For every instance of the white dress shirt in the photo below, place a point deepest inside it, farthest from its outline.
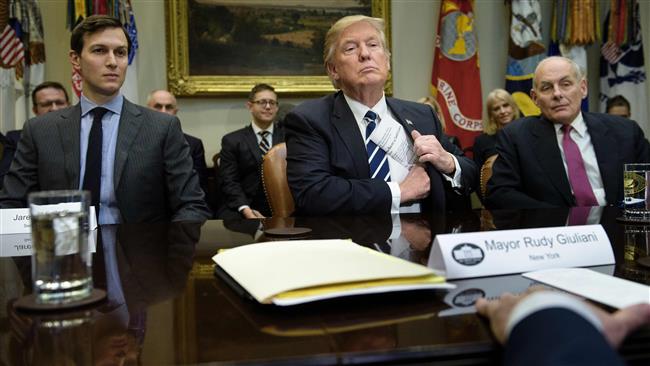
(581, 137)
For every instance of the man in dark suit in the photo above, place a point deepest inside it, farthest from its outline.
(47, 97)
(564, 157)
(241, 157)
(134, 161)
(164, 101)
(358, 152)
(551, 328)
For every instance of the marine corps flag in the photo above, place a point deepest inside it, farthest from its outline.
(456, 79)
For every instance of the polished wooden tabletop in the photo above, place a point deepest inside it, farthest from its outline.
(166, 307)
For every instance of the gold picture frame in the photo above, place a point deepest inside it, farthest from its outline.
(182, 82)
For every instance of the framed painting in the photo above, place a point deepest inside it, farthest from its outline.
(224, 47)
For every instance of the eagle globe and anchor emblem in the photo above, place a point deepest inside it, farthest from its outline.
(458, 41)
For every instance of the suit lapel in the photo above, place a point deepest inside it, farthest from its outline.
(346, 126)
(606, 156)
(251, 141)
(437, 186)
(549, 157)
(130, 123)
(69, 127)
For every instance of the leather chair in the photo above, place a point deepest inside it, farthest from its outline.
(486, 173)
(274, 181)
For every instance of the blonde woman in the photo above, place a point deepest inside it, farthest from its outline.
(501, 109)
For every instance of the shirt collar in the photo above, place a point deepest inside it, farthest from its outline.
(257, 130)
(359, 110)
(578, 125)
(114, 105)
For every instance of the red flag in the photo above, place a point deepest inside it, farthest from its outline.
(456, 79)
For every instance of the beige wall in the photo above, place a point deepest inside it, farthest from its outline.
(414, 24)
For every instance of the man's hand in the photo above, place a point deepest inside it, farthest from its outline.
(616, 326)
(416, 185)
(428, 149)
(251, 214)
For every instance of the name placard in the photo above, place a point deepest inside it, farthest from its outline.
(502, 252)
(19, 245)
(18, 220)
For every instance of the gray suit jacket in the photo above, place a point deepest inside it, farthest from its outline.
(153, 175)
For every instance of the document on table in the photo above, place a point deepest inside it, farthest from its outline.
(299, 271)
(613, 291)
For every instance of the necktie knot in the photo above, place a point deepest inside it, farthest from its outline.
(264, 142)
(371, 122)
(98, 113)
(377, 159)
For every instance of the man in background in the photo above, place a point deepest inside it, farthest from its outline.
(164, 101)
(241, 157)
(48, 96)
(619, 106)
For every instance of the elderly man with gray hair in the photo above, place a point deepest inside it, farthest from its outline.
(564, 157)
(359, 152)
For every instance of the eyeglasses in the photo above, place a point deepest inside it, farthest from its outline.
(56, 103)
(264, 102)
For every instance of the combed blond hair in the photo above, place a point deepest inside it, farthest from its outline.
(490, 125)
(334, 33)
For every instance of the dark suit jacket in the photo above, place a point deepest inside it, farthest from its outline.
(153, 175)
(197, 152)
(529, 172)
(6, 156)
(240, 171)
(14, 136)
(327, 162)
(484, 146)
(557, 336)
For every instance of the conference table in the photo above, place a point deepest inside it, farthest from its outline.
(165, 306)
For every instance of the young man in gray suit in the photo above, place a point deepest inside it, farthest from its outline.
(134, 161)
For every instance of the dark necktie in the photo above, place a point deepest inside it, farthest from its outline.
(377, 159)
(577, 173)
(93, 173)
(264, 143)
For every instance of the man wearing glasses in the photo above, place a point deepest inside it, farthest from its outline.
(241, 157)
(46, 97)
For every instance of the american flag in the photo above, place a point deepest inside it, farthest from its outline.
(11, 48)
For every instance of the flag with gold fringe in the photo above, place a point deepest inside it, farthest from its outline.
(575, 24)
(622, 66)
(525, 51)
(455, 78)
(22, 59)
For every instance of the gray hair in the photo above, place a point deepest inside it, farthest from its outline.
(577, 70)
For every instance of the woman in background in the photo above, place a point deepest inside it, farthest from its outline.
(501, 109)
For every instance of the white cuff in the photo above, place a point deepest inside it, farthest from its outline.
(396, 195)
(455, 180)
(546, 300)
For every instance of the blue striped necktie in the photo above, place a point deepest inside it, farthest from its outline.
(377, 159)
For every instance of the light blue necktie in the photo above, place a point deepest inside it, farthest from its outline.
(377, 159)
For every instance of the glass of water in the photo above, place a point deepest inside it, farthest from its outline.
(61, 262)
(635, 186)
